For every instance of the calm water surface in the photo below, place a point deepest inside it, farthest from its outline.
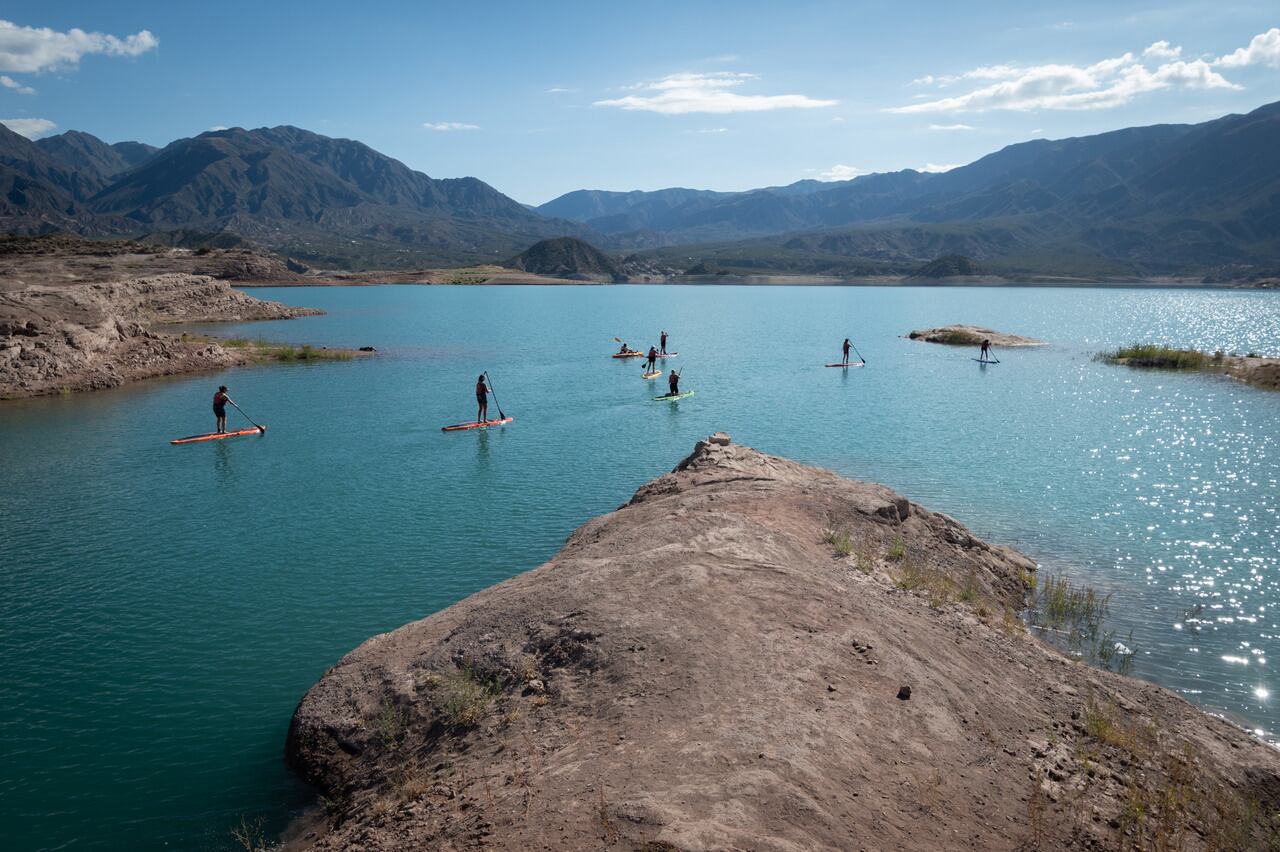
(162, 609)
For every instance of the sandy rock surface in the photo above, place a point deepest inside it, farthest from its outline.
(88, 336)
(971, 335)
(711, 667)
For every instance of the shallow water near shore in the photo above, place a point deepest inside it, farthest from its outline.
(162, 609)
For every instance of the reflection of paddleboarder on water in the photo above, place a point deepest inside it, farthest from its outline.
(482, 400)
(652, 363)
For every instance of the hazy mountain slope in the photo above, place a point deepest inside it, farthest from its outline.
(87, 155)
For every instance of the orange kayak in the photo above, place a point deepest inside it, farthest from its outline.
(218, 436)
(628, 355)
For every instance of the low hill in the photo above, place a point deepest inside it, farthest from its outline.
(566, 257)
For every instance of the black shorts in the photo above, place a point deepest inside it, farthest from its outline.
(482, 400)
(219, 413)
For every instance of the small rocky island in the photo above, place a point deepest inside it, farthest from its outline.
(971, 335)
(755, 654)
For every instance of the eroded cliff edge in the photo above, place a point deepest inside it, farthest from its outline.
(75, 335)
(703, 669)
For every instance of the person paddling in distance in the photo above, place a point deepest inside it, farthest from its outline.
(673, 383)
(845, 349)
(482, 400)
(220, 400)
(662, 341)
(625, 349)
(985, 355)
(652, 363)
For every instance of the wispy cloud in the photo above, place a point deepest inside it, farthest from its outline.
(216, 128)
(1109, 83)
(1263, 49)
(1039, 131)
(558, 90)
(713, 130)
(32, 128)
(28, 49)
(950, 127)
(935, 168)
(842, 172)
(10, 83)
(449, 125)
(679, 94)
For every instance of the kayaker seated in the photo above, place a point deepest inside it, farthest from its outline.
(624, 350)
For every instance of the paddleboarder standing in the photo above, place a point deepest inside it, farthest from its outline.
(482, 399)
(845, 347)
(662, 341)
(220, 400)
(652, 363)
(986, 351)
(673, 382)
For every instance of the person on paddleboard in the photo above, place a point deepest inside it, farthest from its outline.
(986, 351)
(845, 347)
(652, 363)
(220, 400)
(482, 399)
(673, 383)
(662, 341)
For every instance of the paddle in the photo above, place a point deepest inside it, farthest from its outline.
(859, 354)
(246, 417)
(501, 416)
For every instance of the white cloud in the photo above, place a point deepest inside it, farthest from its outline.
(985, 72)
(32, 128)
(713, 130)
(950, 127)
(10, 83)
(842, 172)
(1263, 49)
(934, 168)
(838, 118)
(27, 49)
(216, 128)
(1108, 83)
(1161, 51)
(449, 125)
(1039, 131)
(557, 90)
(679, 94)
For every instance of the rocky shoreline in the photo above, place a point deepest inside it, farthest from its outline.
(756, 654)
(73, 336)
(971, 335)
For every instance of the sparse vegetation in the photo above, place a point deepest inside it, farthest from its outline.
(250, 836)
(1163, 357)
(261, 350)
(898, 549)
(463, 698)
(840, 542)
(1072, 616)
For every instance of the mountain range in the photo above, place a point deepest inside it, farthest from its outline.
(1164, 199)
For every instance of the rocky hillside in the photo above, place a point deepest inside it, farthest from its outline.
(566, 257)
(89, 336)
(754, 654)
(951, 266)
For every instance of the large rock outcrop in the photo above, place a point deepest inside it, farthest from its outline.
(755, 654)
(90, 336)
(971, 335)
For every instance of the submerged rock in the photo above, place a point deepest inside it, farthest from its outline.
(712, 661)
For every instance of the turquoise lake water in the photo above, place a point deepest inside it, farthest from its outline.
(163, 609)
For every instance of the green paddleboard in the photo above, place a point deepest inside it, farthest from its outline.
(668, 396)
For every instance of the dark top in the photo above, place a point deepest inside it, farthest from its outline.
(220, 401)
(481, 390)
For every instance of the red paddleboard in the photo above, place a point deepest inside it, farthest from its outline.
(853, 364)
(218, 436)
(475, 424)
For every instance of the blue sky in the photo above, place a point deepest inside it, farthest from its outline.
(539, 98)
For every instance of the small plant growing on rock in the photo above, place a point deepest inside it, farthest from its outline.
(839, 541)
(463, 699)
(898, 549)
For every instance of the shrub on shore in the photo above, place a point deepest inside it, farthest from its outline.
(1164, 357)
